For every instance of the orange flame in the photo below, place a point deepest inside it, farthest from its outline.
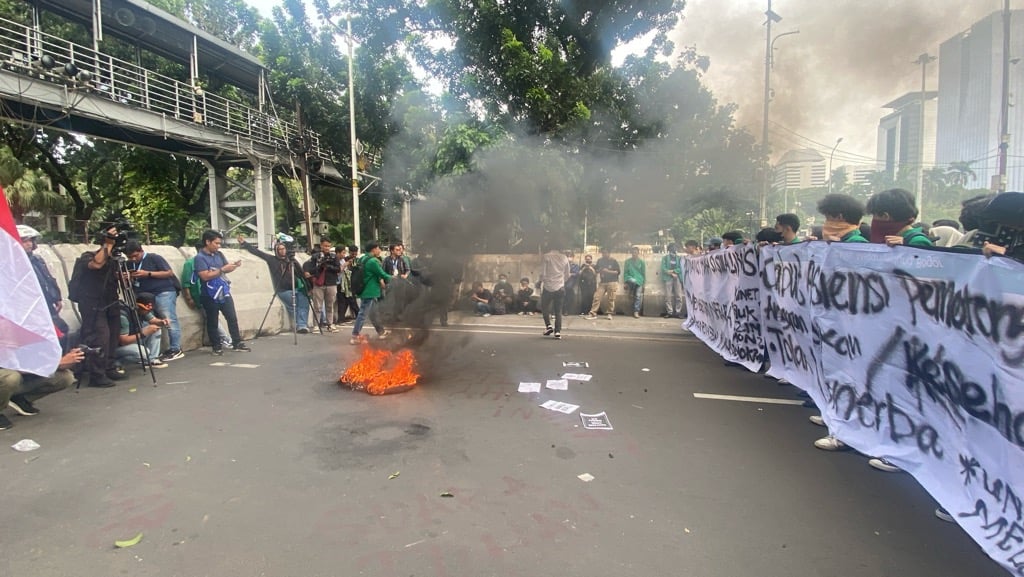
(380, 372)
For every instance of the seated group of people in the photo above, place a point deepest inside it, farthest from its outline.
(503, 298)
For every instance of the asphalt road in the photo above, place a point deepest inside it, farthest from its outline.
(266, 466)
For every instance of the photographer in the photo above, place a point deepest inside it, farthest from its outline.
(215, 293)
(16, 387)
(93, 286)
(285, 272)
(151, 274)
(146, 332)
(321, 271)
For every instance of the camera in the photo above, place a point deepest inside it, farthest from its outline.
(86, 349)
(121, 238)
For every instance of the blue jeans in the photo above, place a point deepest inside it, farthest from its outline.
(367, 309)
(131, 352)
(482, 308)
(166, 308)
(301, 304)
(636, 294)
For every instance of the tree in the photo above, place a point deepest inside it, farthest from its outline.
(26, 190)
(960, 173)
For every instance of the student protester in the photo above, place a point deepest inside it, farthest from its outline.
(672, 279)
(788, 224)
(893, 213)
(147, 332)
(732, 238)
(635, 275)
(843, 214)
(375, 280)
(151, 274)
(554, 272)
(503, 296)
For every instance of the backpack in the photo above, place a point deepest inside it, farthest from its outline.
(357, 282)
(77, 274)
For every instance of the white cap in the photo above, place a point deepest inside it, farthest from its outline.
(25, 231)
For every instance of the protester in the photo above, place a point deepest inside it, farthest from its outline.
(672, 280)
(893, 213)
(788, 225)
(215, 295)
(285, 276)
(47, 282)
(587, 284)
(714, 243)
(635, 276)
(843, 214)
(480, 298)
(731, 238)
(524, 297)
(151, 274)
(554, 272)
(375, 280)
(19, 390)
(503, 296)
(608, 271)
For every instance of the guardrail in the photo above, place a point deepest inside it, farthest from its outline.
(39, 55)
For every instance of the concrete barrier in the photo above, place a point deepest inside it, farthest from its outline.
(252, 287)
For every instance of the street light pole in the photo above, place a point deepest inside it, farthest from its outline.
(769, 42)
(924, 59)
(830, 156)
(354, 154)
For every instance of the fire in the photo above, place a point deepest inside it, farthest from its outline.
(381, 372)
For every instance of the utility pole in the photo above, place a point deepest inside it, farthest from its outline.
(924, 59)
(352, 130)
(1004, 105)
(307, 198)
(765, 162)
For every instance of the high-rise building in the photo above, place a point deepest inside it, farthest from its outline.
(970, 95)
(899, 134)
(797, 169)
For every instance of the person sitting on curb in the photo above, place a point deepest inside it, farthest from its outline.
(524, 297)
(481, 299)
(148, 333)
(16, 387)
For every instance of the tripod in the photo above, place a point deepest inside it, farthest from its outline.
(289, 269)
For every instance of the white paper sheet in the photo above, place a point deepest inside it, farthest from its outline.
(577, 377)
(596, 421)
(558, 384)
(561, 407)
(529, 387)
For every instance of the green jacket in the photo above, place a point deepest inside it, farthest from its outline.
(636, 271)
(373, 273)
(853, 236)
(916, 237)
(672, 263)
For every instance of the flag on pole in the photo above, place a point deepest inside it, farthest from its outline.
(28, 339)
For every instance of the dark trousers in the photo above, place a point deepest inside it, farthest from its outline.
(101, 325)
(345, 304)
(551, 302)
(586, 298)
(227, 308)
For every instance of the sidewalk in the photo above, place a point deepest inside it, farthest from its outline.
(575, 323)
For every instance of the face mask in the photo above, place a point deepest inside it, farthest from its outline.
(883, 228)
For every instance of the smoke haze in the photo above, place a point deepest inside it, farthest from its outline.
(830, 80)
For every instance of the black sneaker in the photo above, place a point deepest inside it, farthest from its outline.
(218, 352)
(172, 355)
(114, 375)
(22, 405)
(548, 331)
(5, 423)
(241, 348)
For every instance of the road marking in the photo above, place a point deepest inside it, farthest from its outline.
(682, 337)
(764, 400)
(235, 365)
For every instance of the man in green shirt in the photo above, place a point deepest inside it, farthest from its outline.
(635, 275)
(787, 225)
(842, 218)
(374, 279)
(672, 278)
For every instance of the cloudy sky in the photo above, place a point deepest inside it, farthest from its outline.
(830, 80)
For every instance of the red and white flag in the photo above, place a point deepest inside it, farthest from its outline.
(28, 339)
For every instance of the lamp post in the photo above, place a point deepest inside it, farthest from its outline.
(830, 156)
(769, 44)
(924, 59)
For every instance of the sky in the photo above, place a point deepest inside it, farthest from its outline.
(830, 80)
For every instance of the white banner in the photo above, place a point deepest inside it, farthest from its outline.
(916, 356)
(722, 298)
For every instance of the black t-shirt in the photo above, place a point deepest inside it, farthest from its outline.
(99, 284)
(609, 263)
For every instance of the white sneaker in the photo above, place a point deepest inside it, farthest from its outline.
(383, 335)
(829, 443)
(591, 317)
(883, 465)
(609, 316)
(636, 315)
(817, 420)
(783, 382)
(355, 340)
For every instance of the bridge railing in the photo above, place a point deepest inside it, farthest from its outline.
(44, 57)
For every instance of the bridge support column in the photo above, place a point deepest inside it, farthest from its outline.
(263, 189)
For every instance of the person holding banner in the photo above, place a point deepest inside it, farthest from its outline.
(893, 213)
(787, 225)
(842, 218)
(672, 277)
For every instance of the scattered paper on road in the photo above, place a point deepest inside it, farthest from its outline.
(577, 377)
(576, 364)
(596, 421)
(646, 370)
(558, 384)
(585, 477)
(529, 387)
(25, 445)
(561, 407)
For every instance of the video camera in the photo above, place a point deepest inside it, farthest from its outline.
(1003, 220)
(121, 238)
